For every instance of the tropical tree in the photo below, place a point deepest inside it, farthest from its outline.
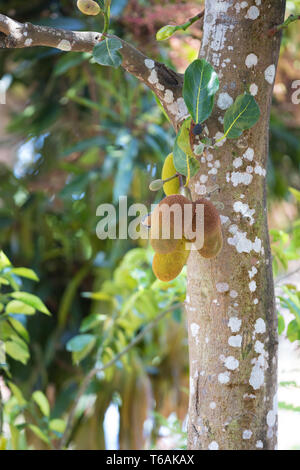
(230, 299)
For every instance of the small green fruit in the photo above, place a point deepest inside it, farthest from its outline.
(88, 7)
(156, 185)
(165, 32)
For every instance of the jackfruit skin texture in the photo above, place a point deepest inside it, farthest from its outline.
(88, 7)
(167, 245)
(213, 239)
(173, 186)
(167, 267)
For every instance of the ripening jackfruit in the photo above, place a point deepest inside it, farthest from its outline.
(168, 266)
(88, 7)
(213, 239)
(168, 222)
(173, 186)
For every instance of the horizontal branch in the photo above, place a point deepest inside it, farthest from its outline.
(164, 82)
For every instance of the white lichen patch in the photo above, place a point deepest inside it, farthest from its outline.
(235, 324)
(260, 171)
(224, 219)
(237, 162)
(257, 376)
(252, 13)
(224, 377)
(249, 154)
(240, 178)
(240, 6)
(252, 272)
(251, 60)
(253, 89)
(247, 434)
(252, 286)
(149, 63)
(213, 446)
(169, 96)
(233, 294)
(153, 78)
(235, 341)
(212, 405)
(28, 42)
(259, 444)
(64, 45)
(231, 363)
(222, 287)
(245, 210)
(243, 244)
(270, 74)
(224, 101)
(259, 347)
(178, 108)
(203, 179)
(260, 326)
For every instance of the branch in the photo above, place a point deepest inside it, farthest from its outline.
(287, 22)
(97, 370)
(286, 276)
(164, 82)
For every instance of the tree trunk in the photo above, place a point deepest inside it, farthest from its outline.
(232, 320)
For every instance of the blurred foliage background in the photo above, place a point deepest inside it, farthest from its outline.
(74, 135)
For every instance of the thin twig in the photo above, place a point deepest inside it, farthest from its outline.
(286, 23)
(97, 370)
(286, 276)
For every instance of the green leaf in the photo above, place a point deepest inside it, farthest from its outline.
(183, 138)
(18, 350)
(31, 300)
(25, 272)
(295, 193)
(57, 425)
(201, 83)
(17, 394)
(184, 163)
(107, 52)
(79, 342)
(293, 331)
(78, 356)
(4, 261)
(242, 115)
(42, 402)
(281, 324)
(19, 308)
(91, 322)
(19, 328)
(39, 433)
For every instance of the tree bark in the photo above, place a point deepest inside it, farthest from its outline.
(230, 306)
(232, 321)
